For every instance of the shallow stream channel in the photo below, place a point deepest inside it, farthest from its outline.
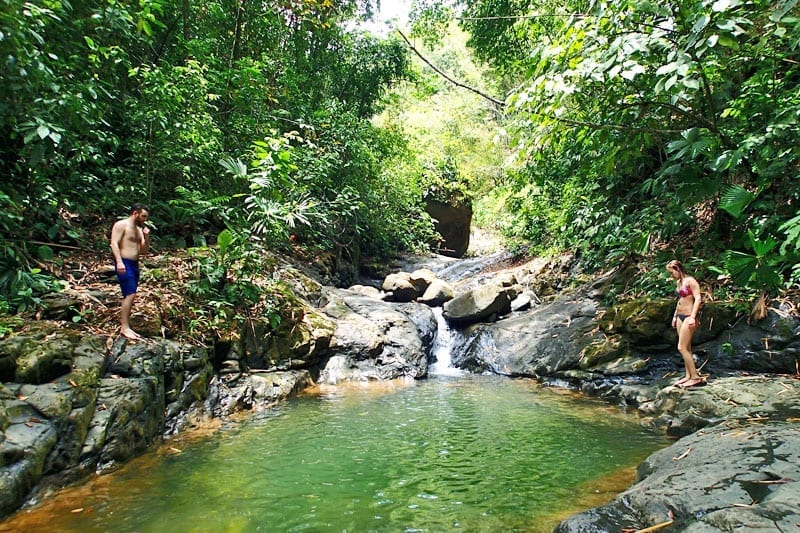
(455, 452)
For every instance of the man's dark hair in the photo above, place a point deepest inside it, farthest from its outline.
(135, 208)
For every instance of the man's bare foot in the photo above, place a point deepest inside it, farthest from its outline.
(694, 382)
(684, 379)
(128, 333)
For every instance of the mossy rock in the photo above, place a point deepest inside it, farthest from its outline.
(4, 419)
(44, 361)
(603, 351)
(642, 321)
(301, 333)
(295, 282)
(10, 350)
(627, 364)
(648, 322)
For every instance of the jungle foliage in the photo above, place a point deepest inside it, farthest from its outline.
(250, 116)
(638, 129)
(646, 129)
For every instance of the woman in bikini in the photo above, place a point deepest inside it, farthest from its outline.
(685, 320)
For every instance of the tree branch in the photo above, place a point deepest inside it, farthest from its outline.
(448, 78)
(599, 126)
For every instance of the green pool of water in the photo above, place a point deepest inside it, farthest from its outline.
(471, 453)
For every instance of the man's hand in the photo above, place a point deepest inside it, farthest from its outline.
(120, 267)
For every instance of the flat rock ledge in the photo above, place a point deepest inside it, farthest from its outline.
(735, 476)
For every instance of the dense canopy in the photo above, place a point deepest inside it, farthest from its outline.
(626, 130)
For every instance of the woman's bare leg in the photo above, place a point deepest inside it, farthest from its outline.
(685, 334)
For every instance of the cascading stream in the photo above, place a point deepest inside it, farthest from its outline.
(443, 349)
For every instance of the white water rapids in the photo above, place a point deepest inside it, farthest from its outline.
(442, 349)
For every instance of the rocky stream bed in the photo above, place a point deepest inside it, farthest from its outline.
(73, 402)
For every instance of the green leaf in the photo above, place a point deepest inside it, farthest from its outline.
(45, 253)
(691, 83)
(701, 23)
(779, 13)
(762, 247)
(728, 41)
(224, 240)
(792, 229)
(235, 167)
(735, 200)
(741, 266)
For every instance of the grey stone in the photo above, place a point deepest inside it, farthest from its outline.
(377, 340)
(725, 478)
(437, 293)
(365, 290)
(27, 441)
(401, 287)
(476, 305)
(421, 278)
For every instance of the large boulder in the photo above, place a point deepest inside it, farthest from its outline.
(648, 323)
(27, 439)
(485, 302)
(400, 287)
(768, 345)
(300, 338)
(256, 391)
(377, 340)
(543, 342)
(452, 221)
(421, 278)
(437, 293)
(129, 420)
(727, 478)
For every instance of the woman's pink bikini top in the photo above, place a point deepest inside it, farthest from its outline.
(684, 290)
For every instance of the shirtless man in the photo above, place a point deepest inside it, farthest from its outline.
(129, 239)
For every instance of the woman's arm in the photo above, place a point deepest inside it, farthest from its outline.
(698, 298)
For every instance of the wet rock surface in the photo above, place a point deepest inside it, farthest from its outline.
(729, 477)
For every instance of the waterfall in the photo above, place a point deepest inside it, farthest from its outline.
(442, 349)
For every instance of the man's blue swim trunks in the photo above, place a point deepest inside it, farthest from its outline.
(129, 281)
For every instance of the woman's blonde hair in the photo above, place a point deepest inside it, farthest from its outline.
(677, 265)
